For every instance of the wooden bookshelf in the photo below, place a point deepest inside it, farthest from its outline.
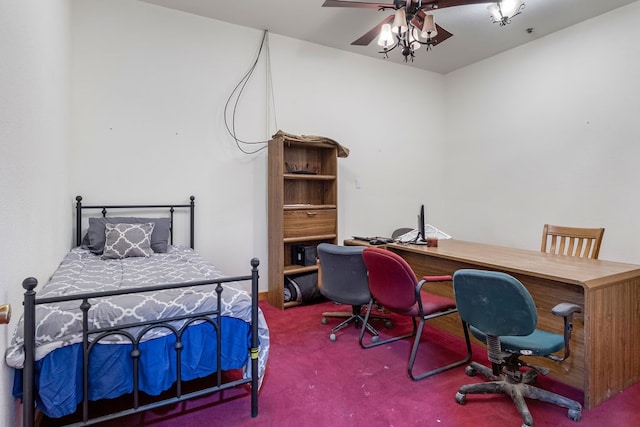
(302, 206)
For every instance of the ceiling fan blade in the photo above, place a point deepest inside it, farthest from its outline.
(418, 19)
(338, 3)
(372, 33)
(442, 35)
(451, 3)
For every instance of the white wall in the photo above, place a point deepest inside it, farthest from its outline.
(149, 90)
(34, 155)
(549, 133)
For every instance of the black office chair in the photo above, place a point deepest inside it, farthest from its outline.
(344, 281)
(394, 285)
(501, 313)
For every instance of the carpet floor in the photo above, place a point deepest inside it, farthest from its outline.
(311, 381)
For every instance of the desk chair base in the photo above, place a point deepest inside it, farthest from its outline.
(356, 318)
(517, 385)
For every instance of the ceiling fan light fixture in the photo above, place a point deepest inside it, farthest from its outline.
(511, 7)
(496, 13)
(410, 26)
(386, 36)
(400, 22)
(429, 30)
(408, 32)
(502, 11)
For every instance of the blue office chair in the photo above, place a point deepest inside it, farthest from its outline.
(500, 312)
(345, 281)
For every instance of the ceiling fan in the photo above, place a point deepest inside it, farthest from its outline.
(415, 12)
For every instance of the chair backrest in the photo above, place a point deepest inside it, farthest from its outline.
(399, 232)
(344, 275)
(494, 302)
(392, 281)
(572, 241)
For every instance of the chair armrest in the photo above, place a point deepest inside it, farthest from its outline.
(566, 310)
(430, 279)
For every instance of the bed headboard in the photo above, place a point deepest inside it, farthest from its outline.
(104, 209)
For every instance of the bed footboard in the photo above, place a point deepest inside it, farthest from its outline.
(212, 316)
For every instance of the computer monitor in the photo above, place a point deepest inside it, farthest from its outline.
(422, 237)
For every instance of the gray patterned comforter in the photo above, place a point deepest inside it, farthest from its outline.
(81, 271)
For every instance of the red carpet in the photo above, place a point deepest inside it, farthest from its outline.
(312, 382)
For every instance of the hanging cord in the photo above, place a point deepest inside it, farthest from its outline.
(237, 93)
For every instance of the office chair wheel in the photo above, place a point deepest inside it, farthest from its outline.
(575, 414)
(375, 338)
(470, 371)
(332, 337)
(324, 321)
(461, 398)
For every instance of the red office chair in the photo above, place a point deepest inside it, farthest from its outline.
(393, 285)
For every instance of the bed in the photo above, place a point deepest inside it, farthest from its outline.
(128, 313)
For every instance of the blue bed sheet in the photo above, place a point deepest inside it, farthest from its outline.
(58, 375)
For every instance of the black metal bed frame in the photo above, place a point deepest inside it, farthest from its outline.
(213, 317)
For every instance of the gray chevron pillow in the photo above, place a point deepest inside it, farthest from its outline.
(127, 240)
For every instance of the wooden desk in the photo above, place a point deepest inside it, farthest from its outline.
(605, 344)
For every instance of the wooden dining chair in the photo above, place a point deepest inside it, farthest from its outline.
(572, 241)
